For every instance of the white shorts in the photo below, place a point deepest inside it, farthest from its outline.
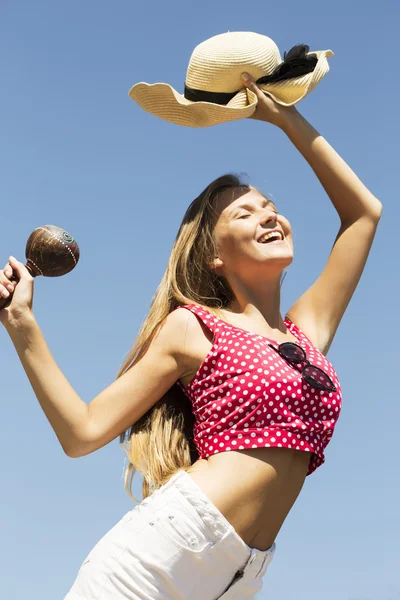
(175, 545)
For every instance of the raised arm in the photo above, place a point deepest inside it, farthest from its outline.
(320, 309)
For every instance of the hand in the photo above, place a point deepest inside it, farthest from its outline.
(267, 109)
(20, 290)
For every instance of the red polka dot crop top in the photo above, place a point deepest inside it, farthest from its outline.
(245, 395)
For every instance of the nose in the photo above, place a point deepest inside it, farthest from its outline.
(270, 217)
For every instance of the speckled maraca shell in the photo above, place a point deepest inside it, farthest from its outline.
(51, 251)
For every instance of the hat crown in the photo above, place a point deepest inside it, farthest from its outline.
(217, 63)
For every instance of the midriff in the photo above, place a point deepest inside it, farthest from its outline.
(254, 489)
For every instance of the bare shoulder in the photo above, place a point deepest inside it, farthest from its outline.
(190, 340)
(175, 327)
(175, 330)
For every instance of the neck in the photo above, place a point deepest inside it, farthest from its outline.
(258, 301)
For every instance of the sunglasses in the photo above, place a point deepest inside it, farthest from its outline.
(315, 376)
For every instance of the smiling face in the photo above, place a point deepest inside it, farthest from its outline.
(241, 223)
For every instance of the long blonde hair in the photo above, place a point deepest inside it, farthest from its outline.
(161, 442)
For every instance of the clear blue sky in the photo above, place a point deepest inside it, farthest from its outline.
(77, 152)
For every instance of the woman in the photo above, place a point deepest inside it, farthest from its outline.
(225, 416)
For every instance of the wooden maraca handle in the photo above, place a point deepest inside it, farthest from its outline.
(50, 251)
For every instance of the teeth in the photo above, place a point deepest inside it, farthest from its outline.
(267, 236)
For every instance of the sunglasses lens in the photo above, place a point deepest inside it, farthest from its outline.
(292, 352)
(315, 376)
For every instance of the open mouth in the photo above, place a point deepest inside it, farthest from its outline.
(270, 238)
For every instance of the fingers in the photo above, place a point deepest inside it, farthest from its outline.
(10, 276)
(250, 83)
(20, 269)
(8, 272)
(6, 286)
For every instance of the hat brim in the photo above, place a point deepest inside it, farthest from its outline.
(164, 101)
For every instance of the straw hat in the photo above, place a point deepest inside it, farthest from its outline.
(214, 92)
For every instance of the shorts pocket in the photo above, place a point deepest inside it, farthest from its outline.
(182, 526)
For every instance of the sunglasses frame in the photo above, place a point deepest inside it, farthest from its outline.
(292, 362)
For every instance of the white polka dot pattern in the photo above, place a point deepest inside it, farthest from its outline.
(245, 395)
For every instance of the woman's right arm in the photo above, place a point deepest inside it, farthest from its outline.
(82, 428)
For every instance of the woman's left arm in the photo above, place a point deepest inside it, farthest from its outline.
(320, 309)
(351, 199)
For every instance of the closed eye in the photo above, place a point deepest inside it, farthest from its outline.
(245, 215)
(248, 215)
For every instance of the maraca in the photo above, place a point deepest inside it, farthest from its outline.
(50, 251)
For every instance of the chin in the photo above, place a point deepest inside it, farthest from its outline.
(283, 260)
(281, 264)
